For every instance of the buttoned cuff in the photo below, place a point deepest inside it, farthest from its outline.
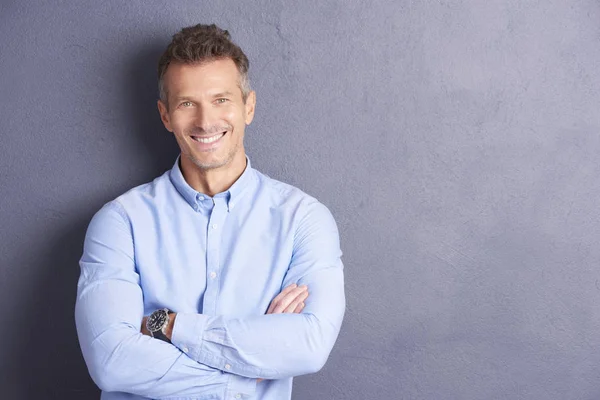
(188, 335)
(188, 331)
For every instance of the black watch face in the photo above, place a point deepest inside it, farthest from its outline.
(156, 320)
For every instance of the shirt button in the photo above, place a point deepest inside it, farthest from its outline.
(238, 396)
(227, 367)
(214, 226)
(213, 275)
(185, 349)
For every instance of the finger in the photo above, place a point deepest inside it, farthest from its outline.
(288, 299)
(299, 299)
(299, 308)
(283, 293)
(279, 304)
(277, 300)
(284, 302)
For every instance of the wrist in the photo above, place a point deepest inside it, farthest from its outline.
(170, 326)
(158, 322)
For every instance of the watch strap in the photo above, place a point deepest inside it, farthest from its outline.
(160, 335)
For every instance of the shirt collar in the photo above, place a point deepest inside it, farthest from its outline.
(191, 196)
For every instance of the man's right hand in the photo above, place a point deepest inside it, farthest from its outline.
(290, 300)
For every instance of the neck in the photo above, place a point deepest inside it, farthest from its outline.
(214, 180)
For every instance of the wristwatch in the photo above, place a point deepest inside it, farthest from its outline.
(157, 322)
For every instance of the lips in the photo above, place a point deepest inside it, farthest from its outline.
(209, 139)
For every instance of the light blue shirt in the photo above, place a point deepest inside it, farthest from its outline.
(218, 262)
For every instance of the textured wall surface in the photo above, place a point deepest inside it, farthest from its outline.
(455, 142)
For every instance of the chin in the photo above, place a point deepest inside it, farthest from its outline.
(207, 164)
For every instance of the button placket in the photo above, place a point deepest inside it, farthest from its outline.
(213, 262)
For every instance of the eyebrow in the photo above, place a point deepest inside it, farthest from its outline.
(182, 98)
(226, 93)
(222, 94)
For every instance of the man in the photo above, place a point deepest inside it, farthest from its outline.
(213, 281)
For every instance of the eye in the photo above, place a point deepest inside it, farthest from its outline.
(186, 104)
(221, 100)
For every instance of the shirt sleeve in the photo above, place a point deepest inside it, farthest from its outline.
(279, 345)
(108, 314)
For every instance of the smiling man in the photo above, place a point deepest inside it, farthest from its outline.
(213, 281)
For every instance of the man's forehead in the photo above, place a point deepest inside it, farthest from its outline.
(225, 65)
(180, 88)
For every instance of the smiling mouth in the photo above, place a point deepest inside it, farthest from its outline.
(209, 140)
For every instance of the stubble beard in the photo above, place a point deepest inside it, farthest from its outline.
(205, 166)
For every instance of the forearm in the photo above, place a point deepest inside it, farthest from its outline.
(269, 346)
(120, 358)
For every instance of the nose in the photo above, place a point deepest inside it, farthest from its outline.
(205, 117)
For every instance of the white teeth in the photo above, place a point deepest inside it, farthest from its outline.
(208, 140)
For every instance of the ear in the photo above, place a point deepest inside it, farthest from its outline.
(249, 107)
(163, 110)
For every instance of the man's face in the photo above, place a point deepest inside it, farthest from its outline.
(206, 112)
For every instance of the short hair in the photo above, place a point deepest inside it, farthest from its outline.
(199, 44)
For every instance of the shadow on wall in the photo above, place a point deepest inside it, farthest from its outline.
(157, 147)
(46, 357)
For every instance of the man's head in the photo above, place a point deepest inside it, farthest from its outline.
(200, 44)
(205, 97)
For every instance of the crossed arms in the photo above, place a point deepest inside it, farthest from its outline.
(209, 354)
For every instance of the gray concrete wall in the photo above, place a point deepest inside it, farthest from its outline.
(456, 143)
